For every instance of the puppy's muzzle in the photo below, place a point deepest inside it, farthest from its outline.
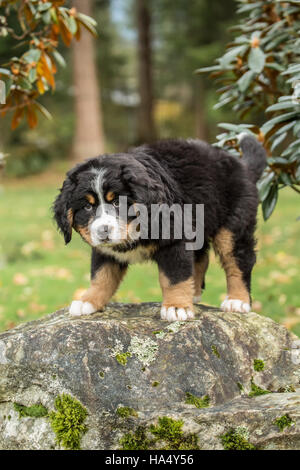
(104, 232)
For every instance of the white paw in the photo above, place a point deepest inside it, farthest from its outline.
(196, 299)
(78, 307)
(235, 305)
(176, 314)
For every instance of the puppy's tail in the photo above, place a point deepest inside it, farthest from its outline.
(254, 156)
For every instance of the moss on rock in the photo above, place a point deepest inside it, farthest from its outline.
(237, 439)
(215, 351)
(167, 435)
(258, 365)
(126, 412)
(197, 401)
(33, 411)
(122, 358)
(283, 422)
(67, 421)
(256, 390)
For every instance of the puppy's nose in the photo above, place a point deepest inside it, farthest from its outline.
(104, 231)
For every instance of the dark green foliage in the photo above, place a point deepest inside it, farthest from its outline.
(260, 72)
(126, 412)
(283, 422)
(215, 351)
(135, 440)
(256, 390)
(167, 434)
(236, 439)
(196, 401)
(258, 365)
(33, 411)
(67, 421)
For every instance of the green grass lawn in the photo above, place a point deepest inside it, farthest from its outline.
(39, 274)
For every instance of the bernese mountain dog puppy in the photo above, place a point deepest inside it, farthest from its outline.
(180, 172)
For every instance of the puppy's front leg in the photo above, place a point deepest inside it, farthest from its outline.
(177, 282)
(106, 275)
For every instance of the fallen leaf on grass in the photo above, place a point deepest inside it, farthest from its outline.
(36, 308)
(20, 313)
(20, 280)
(290, 322)
(256, 306)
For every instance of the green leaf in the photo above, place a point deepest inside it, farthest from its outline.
(43, 110)
(275, 66)
(59, 58)
(278, 140)
(232, 54)
(32, 76)
(269, 203)
(25, 84)
(87, 19)
(71, 24)
(263, 185)
(281, 105)
(47, 17)
(256, 60)
(44, 6)
(8, 84)
(245, 80)
(5, 72)
(271, 123)
(33, 55)
(285, 179)
(213, 68)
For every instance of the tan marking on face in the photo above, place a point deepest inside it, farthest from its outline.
(91, 199)
(104, 285)
(85, 233)
(200, 269)
(224, 245)
(177, 295)
(110, 196)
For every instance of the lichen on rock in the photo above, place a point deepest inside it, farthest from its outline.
(145, 349)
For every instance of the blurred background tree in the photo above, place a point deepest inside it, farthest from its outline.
(89, 134)
(260, 77)
(145, 56)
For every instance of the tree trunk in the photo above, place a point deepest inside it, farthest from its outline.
(89, 136)
(146, 128)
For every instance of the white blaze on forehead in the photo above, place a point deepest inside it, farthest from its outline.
(103, 216)
(97, 183)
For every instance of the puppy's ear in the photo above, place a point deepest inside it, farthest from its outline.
(145, 185)
(63, 213)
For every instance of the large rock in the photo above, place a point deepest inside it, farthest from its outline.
(127, 358)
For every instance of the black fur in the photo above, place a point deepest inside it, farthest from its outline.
(175, 171)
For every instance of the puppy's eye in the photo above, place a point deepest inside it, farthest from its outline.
(88, 207)
(116, 203)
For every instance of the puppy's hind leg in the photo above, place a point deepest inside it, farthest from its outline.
(237, 258)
